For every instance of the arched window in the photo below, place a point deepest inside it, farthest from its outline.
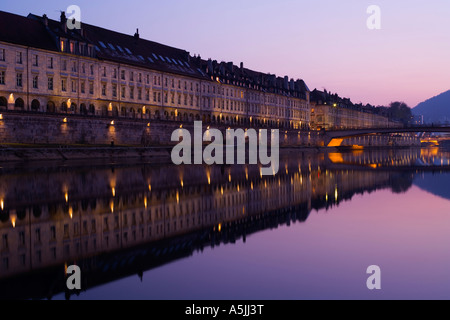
(83, 109)
(51, 107)
(123, 112)
(35, 105)
(73, 108)
(92, 109)
(19, 105)
(104, 111)
(115, 111)
(3, 103)
(64, 107)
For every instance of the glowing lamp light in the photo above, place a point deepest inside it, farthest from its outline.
(13, 220)
(66, 196)
(2, 204)
(1, 116)
(65, 120)
(148, 124)
(112, 122)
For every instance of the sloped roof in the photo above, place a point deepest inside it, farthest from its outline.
(23, 31)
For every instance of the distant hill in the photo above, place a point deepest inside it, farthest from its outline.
(437, 184)
(435, 110)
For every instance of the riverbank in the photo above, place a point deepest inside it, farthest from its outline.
(28, 153)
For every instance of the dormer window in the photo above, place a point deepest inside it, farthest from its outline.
(63, 45)
(72, 47)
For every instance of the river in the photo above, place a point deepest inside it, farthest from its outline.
(163, 232)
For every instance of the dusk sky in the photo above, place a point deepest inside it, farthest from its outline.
(324, 42)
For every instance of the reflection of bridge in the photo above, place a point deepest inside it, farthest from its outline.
(334, 138)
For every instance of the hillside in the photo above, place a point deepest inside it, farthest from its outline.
(436, 109)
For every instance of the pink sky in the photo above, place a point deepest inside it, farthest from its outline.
(325, 42)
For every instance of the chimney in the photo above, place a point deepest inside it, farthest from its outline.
(63, 17)
(136, 35)
(286, 82)
(45, 20)
(242, 66)
(63, 21)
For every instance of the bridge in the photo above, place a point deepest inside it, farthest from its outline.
(334, 138)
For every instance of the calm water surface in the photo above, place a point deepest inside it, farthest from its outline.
(146, 231)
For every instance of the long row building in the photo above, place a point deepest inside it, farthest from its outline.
(46, 67)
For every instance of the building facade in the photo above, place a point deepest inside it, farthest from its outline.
(331, 112)
(47, 68)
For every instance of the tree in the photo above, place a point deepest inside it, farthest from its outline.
(400, 111)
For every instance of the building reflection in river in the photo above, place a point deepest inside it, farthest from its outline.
(60, 215)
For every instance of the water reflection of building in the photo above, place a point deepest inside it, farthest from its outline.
(65, 215)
